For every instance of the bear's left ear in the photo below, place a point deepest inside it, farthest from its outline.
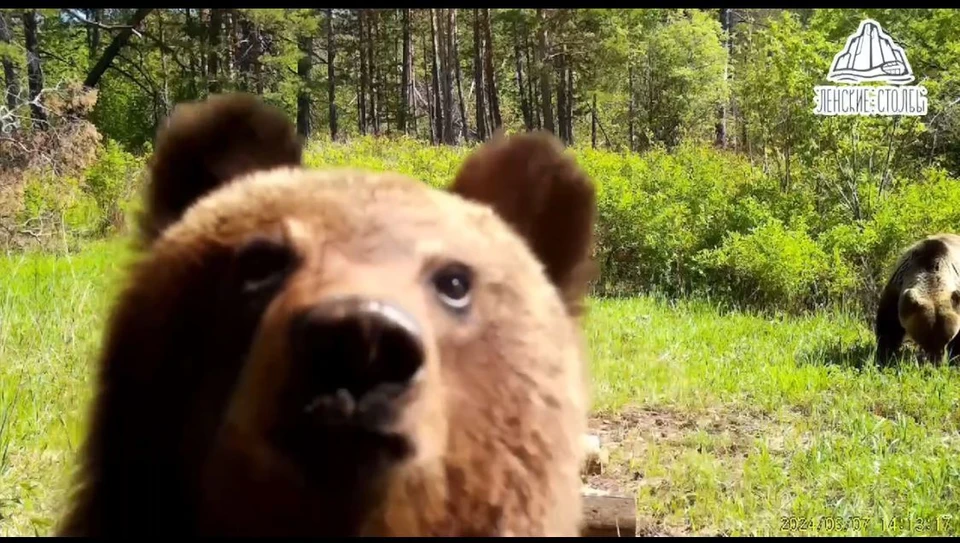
(206, 144)
(547, 199)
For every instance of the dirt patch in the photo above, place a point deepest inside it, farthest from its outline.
(628, 434)
(628, 437)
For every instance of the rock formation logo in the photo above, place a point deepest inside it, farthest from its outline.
(871, 56)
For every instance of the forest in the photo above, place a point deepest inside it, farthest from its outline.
(742, 238)
(706, 116)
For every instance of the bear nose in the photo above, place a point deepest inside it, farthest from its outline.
(355, 344)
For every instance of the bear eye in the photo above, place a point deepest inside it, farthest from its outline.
(452, 284)
(262, 262)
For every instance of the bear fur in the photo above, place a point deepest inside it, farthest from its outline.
(921, 300)
(196, 370)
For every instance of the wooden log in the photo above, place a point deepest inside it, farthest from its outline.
(609, 516)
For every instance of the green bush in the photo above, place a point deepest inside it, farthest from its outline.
(691, 221)
(91, 204)
(110, 181)
(776, 266)
(700, 221)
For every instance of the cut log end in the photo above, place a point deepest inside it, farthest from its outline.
(609, 516)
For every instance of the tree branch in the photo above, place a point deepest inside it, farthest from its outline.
(149, 80)
(312, 53)
(118, 42)
(133, 79)
(95, 24)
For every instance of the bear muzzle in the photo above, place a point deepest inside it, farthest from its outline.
(354, 357)
(354, 362)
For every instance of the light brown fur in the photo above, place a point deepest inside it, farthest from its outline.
(921, 300)
(192, 375)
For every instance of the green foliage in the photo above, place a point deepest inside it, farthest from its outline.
(691, 221)
(123, 114)
(681, 78)
(799, 211)
(698, 221)
(93, 204)
(726, 423)
(776, 266)
(774, 80)
(57, 201)
(110, 180)
(434, 165)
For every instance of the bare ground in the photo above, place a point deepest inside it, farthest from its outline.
(629, 434)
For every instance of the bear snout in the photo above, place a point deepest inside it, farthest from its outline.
(354, 357)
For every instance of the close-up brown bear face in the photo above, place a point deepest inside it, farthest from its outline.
(931, 317)
(343, 352)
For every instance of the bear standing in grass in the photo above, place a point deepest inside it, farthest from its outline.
(922, 300)
(342, 353)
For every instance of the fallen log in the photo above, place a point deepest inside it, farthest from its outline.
(609, 516)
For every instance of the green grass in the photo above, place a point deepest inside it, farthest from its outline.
(720, 423)
(734, 424)
(51, 310)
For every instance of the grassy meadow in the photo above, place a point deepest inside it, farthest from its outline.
(721, 423)
(741, 239)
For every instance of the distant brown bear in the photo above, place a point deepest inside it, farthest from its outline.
(342, 353)
(921, 300)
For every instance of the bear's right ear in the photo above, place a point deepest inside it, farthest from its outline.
(545, 197)
(206, 144)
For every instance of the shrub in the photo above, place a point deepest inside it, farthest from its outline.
(110, 181)
(692, 221)
(776, 266)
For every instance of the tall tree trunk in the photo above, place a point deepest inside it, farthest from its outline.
(651, 104)
(383, 113)
(362, 94)
(521, 93)
(532, 88)
(478, 77)
(437, 100)
(372, 70)
(34, 69)
(561, 98)
(230, 30)
(593, 122)
(331, 76)
(632, 111)
(414, 108)
(722, 120)
(119, 41)
(213, 50)
(11, 84)
(191, 31)
(245, 53)
(542, 51)
(429, 90)
(455, 58)
(164, 72)
(494, 98)
(449, 136)
(570, 96)
(93, 32)
(304, 66)
(406, 87)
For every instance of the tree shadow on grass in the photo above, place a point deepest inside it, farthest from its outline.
(855, 355)
(862, 355)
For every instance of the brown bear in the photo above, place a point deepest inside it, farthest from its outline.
(921, 300)
(342, 352)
